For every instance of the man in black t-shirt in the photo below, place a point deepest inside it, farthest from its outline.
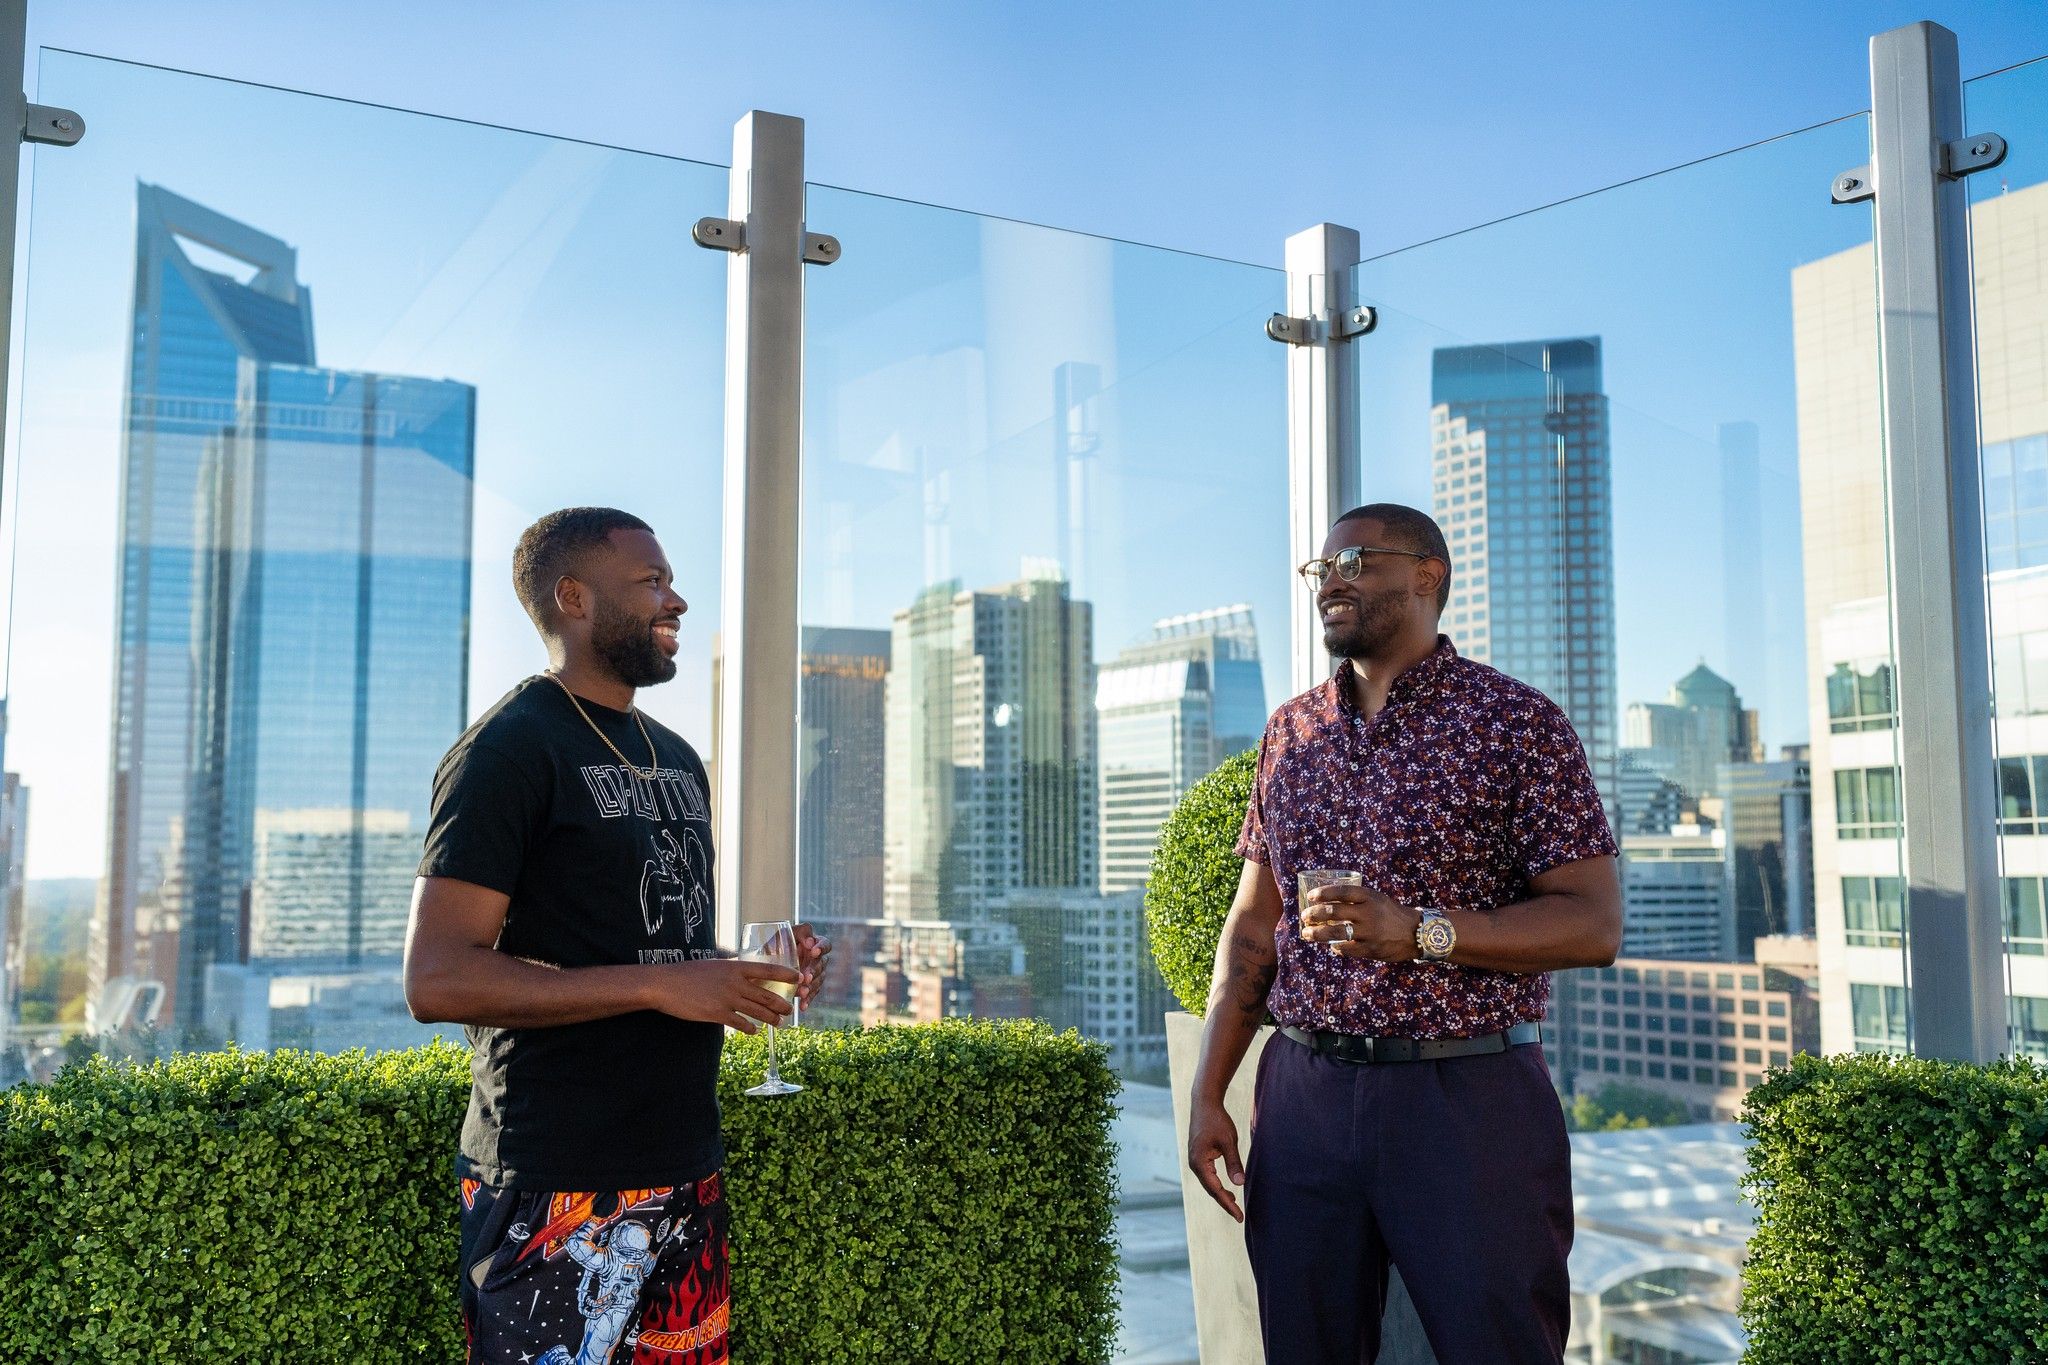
(564, 915)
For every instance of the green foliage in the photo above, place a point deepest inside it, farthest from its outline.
(1904, 1212)
(940, 1193)
(1194, 876)
(1615, 1107)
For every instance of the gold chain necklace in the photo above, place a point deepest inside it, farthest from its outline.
(653, 758)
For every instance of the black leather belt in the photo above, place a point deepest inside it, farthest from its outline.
(1353, 1047)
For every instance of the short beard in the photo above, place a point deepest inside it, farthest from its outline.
(627, 648)
(1375, 625)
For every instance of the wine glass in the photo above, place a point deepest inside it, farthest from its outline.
(773, 941)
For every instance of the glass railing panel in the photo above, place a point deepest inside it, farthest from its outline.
(1044, 592)
(1647, 421)
(2009, 255)
(296, 374)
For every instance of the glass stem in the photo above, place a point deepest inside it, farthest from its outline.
(774, 1070)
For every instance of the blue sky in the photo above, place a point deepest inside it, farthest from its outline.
(1208, 127)
(556, 278)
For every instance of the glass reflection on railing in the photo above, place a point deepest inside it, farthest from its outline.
(262, 548)
(1647, 421)
(2009, 257)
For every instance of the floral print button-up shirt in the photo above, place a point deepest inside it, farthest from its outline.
(1465, 786)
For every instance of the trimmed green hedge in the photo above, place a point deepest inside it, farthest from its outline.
(1194, 878)
(1904, 1212)
(940, 1193)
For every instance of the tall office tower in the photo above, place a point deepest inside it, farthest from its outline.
(293, 613)
(1744, 591)
(1856, 860)
(990, 748)
(1522, 489)
(1689, 736)
(1769, 810)
(1168, 710)
(841, 766)
(328, 884)
(1674, 891)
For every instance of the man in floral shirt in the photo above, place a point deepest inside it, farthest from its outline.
(1404, 1114)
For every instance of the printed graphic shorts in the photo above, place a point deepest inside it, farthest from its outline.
(634, 1276)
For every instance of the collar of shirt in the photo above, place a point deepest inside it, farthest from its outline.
(1419, 681)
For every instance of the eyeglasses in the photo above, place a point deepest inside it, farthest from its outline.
(1349, 562)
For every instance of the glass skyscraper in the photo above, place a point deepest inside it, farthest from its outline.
(1523, 489)
(294, 607)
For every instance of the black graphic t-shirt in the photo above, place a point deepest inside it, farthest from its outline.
(603, 867)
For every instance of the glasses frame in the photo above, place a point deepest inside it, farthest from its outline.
(1317, 571)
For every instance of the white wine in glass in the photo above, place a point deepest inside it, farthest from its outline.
(773, 941)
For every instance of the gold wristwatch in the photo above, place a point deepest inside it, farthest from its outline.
(1435, 938)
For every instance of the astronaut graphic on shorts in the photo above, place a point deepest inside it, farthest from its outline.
(616, 1262)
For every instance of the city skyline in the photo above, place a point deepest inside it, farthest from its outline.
(287, 527)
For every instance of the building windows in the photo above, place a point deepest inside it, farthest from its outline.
(1878, 1016)
(2030, 1026)
(1860, 697)
(2022, 788)
(2019, 668)
(1867, 802)
(2015, 496)
(1873, 912)
(2024, 929)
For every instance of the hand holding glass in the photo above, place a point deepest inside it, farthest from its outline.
(1309, 878)
(773, 941)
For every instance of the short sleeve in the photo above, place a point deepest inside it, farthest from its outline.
(486, 814)
(1558, 817)
(1251, 839)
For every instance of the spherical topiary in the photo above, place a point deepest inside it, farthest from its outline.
(1194, 876)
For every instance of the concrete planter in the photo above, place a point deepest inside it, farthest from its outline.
(1226, 1303)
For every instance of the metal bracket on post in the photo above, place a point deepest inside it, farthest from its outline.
(1355, 322)
(51, 126)
(1323, 472)
(723, 234)
(1965, 156)
(1935, 508)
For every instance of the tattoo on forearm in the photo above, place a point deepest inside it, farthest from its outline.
(1244, 975)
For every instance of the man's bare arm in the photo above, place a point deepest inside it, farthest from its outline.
(1245, 965)
(1571, 918)
(455, 974)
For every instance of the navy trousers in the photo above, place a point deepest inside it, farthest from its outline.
(1458, 1172)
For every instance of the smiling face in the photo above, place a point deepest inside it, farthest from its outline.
(634, 609)
(1392, 593)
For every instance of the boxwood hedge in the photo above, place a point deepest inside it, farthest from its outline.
(939, 1193)
(1194, 876)
(1903, 1212)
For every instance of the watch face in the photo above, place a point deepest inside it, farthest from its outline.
(1438, 938)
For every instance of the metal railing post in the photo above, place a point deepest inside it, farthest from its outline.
(1323, 473)
(757, 707)
(1935, 508)
(32, 123)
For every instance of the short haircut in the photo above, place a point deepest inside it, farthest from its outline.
(1408, 529)
(555, 547)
